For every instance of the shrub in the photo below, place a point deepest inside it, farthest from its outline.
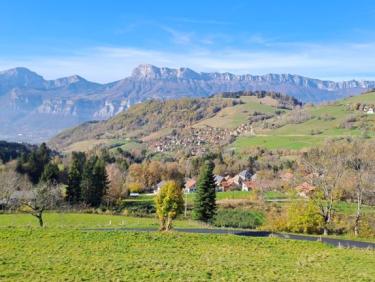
(237, 218)
(138, 208)
(299, 217)
(367, 227)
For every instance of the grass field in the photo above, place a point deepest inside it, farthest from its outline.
(232, 117)
(325, 123)
(231, 195)
(65, 254)
(82, 220)
(276, 142)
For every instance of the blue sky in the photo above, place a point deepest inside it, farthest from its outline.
(104, 40)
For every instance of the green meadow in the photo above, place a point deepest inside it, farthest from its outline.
(325, 123)
(62, 251)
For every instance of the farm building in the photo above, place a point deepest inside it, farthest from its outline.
(305, 189)
(190, 185)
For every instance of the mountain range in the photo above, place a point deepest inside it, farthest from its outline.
(33, 109)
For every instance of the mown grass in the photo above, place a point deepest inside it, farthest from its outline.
(28, 254)
(83, 220)
(231, 195)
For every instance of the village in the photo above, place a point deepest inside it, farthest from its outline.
(245, 181)
(363, 107)
(199, 140)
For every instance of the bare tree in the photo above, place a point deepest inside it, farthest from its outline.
(325, 167)
(361, 165)
(40, 198)
(11, 182)
(116, 188)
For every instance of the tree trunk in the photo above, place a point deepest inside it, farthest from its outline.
(186, 199)
(356, 222)
(358, 213)
(169, 224)
(39, 216)
(40, 220)
(327, 220)
(162, 224)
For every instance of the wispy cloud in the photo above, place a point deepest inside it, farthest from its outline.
(179, 37)
(326, 61)
(202, 22)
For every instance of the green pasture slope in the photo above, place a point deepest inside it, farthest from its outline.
(232, 117)
(325, 124)
(63, 252)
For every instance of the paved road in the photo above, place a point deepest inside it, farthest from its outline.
(251, 233)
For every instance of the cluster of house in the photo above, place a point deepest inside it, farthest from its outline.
(367, 108)
(246, 181)
(195, 139)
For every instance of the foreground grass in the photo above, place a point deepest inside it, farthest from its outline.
(229, 195)
(55, 254)
(82, 220)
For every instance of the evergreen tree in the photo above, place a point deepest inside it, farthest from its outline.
(50, 173)
(73, 190)
(94, 181)
(33, 164)
(205, 198)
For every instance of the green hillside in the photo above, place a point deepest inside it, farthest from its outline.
(155, 119)
(316, 124)
(139, 121)
(243, 120)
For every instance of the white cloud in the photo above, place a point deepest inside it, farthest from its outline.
(104, 64)
(179, 37)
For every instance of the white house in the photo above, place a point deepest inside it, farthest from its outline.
(245, 175)
(219, 181)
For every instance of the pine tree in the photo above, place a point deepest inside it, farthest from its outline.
(73, 190)
(33, 164)
(94, 181)
(50, 173)
(205, 198)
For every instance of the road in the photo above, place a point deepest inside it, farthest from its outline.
(254, 233)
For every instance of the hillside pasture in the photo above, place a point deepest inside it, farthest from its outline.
(326, 121)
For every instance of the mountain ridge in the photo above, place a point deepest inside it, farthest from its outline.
(34, 109)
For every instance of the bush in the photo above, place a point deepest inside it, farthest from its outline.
(367, 227)
(237, 218)
(138, 208)
(299, 217)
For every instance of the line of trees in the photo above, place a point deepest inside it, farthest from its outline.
(340, 168)
(87, 180)
(40, 181)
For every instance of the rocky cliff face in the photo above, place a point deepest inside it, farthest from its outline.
(34, 109)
